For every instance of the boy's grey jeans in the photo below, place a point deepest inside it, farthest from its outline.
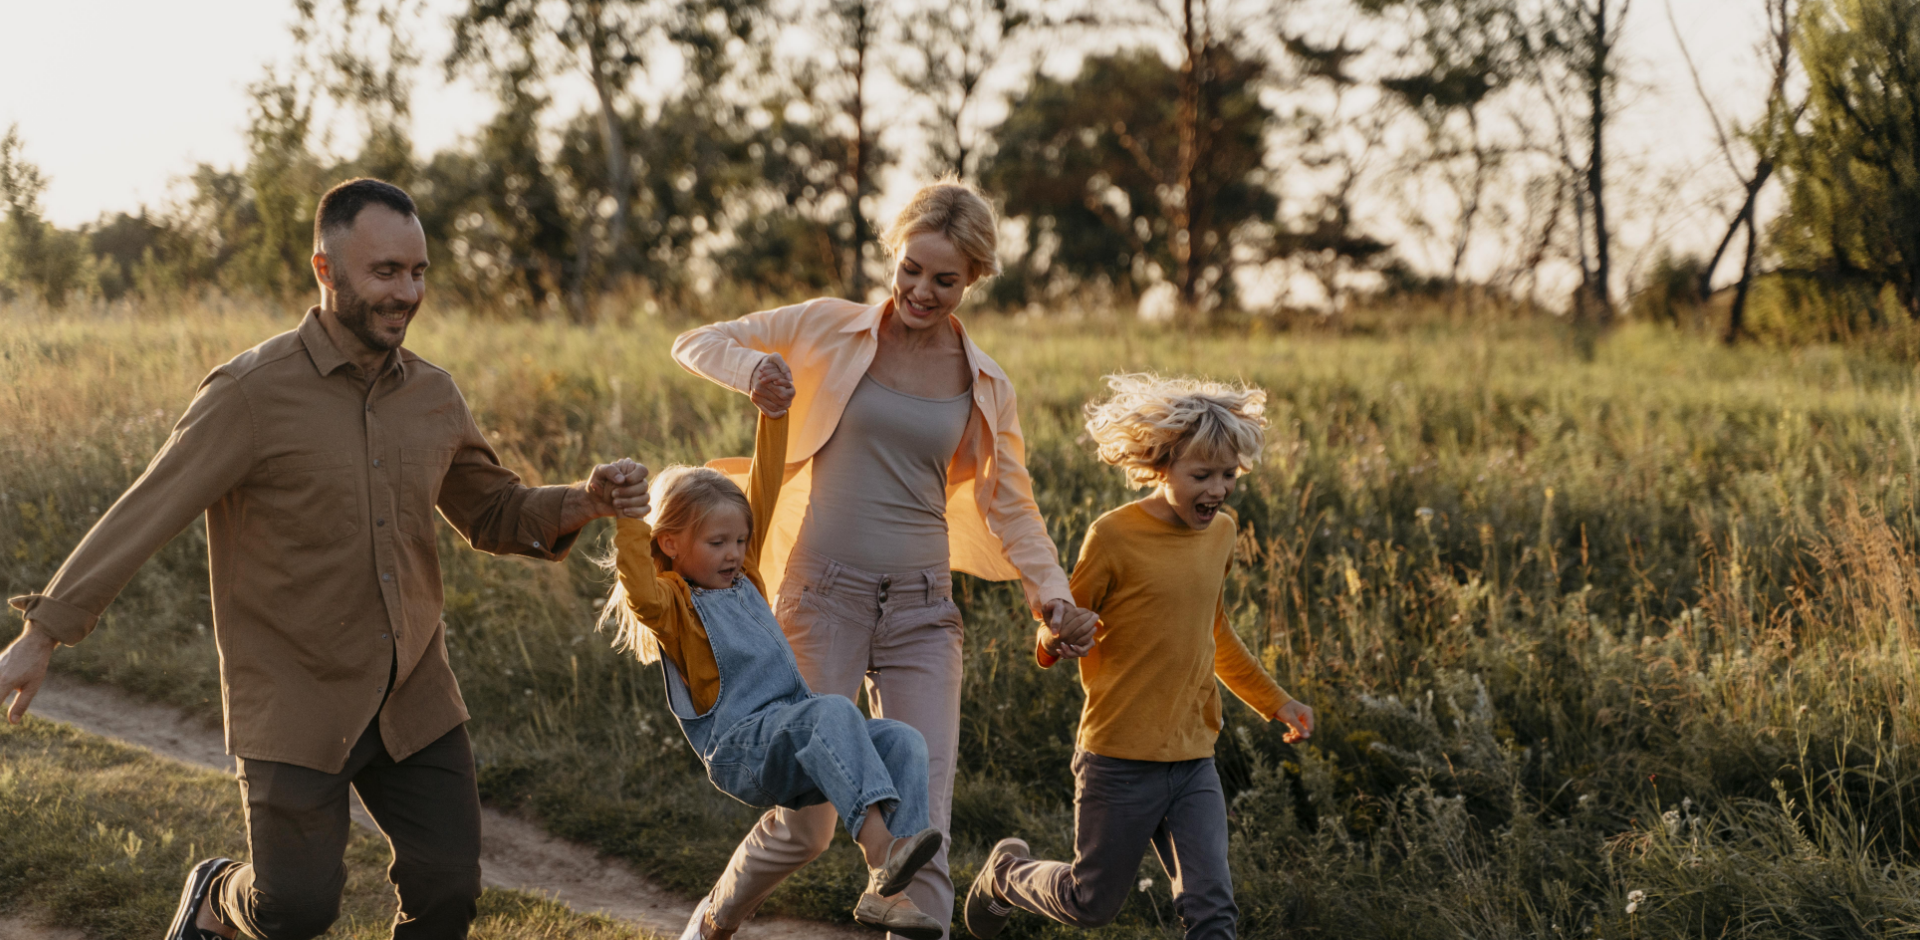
(1119, 808)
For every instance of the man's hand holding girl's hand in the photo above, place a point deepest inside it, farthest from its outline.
(614, 489)
(1299, 719)
(772, 386)
(624, 482)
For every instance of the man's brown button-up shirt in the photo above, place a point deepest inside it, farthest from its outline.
(319, 485)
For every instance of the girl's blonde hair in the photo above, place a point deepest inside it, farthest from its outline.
(956, 210)
(1151, 421)
(682, 497)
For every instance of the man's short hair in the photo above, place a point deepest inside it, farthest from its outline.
(342, 204)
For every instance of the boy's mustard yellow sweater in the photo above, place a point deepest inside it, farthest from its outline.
(662, 599)
(1159, 590)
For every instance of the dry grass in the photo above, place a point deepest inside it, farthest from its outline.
(1575, 628)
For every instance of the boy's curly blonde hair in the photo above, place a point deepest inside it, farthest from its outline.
(1152, 421)
(682, 498)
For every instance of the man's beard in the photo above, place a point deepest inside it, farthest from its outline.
(357, 315)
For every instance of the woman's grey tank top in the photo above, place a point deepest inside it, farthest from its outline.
(879, 500)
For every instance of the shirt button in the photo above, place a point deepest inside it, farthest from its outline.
(376, 461)
(383, 636)
(385, 576)
(379, 522)
(536, 543)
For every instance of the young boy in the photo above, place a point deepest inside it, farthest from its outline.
(1154, 570)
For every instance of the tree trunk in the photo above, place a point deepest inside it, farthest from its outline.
(1596, 179)
(1737, 314)
(1186, 272)
(615, 144)
(1704, 288)
(856, 265)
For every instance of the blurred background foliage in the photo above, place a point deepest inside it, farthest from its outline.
(729, 153)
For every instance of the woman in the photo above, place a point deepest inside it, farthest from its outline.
(905, 461)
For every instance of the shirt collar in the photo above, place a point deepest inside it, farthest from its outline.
(327, 357)
(868, 321)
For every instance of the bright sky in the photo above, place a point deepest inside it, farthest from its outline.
(117, 98)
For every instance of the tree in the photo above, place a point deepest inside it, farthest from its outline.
(1456, 58)
(1764, 140)
(959, 45)
(1573, 46)
(612, 40)
(35, 255)
(855, 31)
(1093, 165)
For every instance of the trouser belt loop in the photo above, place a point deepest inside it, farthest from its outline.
(933, 584)
(827, 580)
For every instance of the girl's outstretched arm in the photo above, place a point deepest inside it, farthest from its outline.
(646, 597)
(763, 482)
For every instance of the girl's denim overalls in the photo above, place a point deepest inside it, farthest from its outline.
(768, 740)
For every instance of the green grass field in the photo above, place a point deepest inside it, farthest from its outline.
(100, 836)
(1574, 628)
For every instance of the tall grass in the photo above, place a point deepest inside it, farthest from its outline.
(1574, 628)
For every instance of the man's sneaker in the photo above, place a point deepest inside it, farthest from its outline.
(904, 859)
(898, 916)
(986, 911)
(186, 917)
(701, 926)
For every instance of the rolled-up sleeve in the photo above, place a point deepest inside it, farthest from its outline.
(211, 450)
(1014, 517)
(493, 510)
(727, 352)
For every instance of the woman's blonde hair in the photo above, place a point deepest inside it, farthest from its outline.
(1151, 421)
(682, 497)
(958, 211)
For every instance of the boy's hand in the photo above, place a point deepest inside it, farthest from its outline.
(1299, 719)
(772, 386)
(1071, 628)
(1056, 648)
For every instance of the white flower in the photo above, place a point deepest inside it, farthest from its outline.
(1425, 513)
(1634, 900)
(1146, 883)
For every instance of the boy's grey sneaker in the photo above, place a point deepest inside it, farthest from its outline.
(185, 924)
(987, 912)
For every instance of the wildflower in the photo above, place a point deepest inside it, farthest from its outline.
(1634, 900)
(1425, 513)
(1146, 883)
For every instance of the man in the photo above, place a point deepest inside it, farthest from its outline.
(319, 457)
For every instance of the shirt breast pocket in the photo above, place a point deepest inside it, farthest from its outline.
(312, 499)
(421, 471)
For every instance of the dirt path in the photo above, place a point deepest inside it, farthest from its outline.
(513, 852)
(20, 927)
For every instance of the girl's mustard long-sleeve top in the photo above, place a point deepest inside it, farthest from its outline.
(663, 600)
(1164, 636)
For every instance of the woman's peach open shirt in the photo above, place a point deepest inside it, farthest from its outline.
(994, 529)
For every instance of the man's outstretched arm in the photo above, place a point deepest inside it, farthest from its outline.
(210, 451)
(498, 513)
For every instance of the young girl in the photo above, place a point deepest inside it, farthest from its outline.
(690, 593)
(1154, 570)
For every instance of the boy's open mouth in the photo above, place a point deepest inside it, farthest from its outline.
(1204, 512)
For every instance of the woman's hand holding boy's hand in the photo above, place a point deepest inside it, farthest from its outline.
(772, 386)
(1299, 719)
(1069, 629)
